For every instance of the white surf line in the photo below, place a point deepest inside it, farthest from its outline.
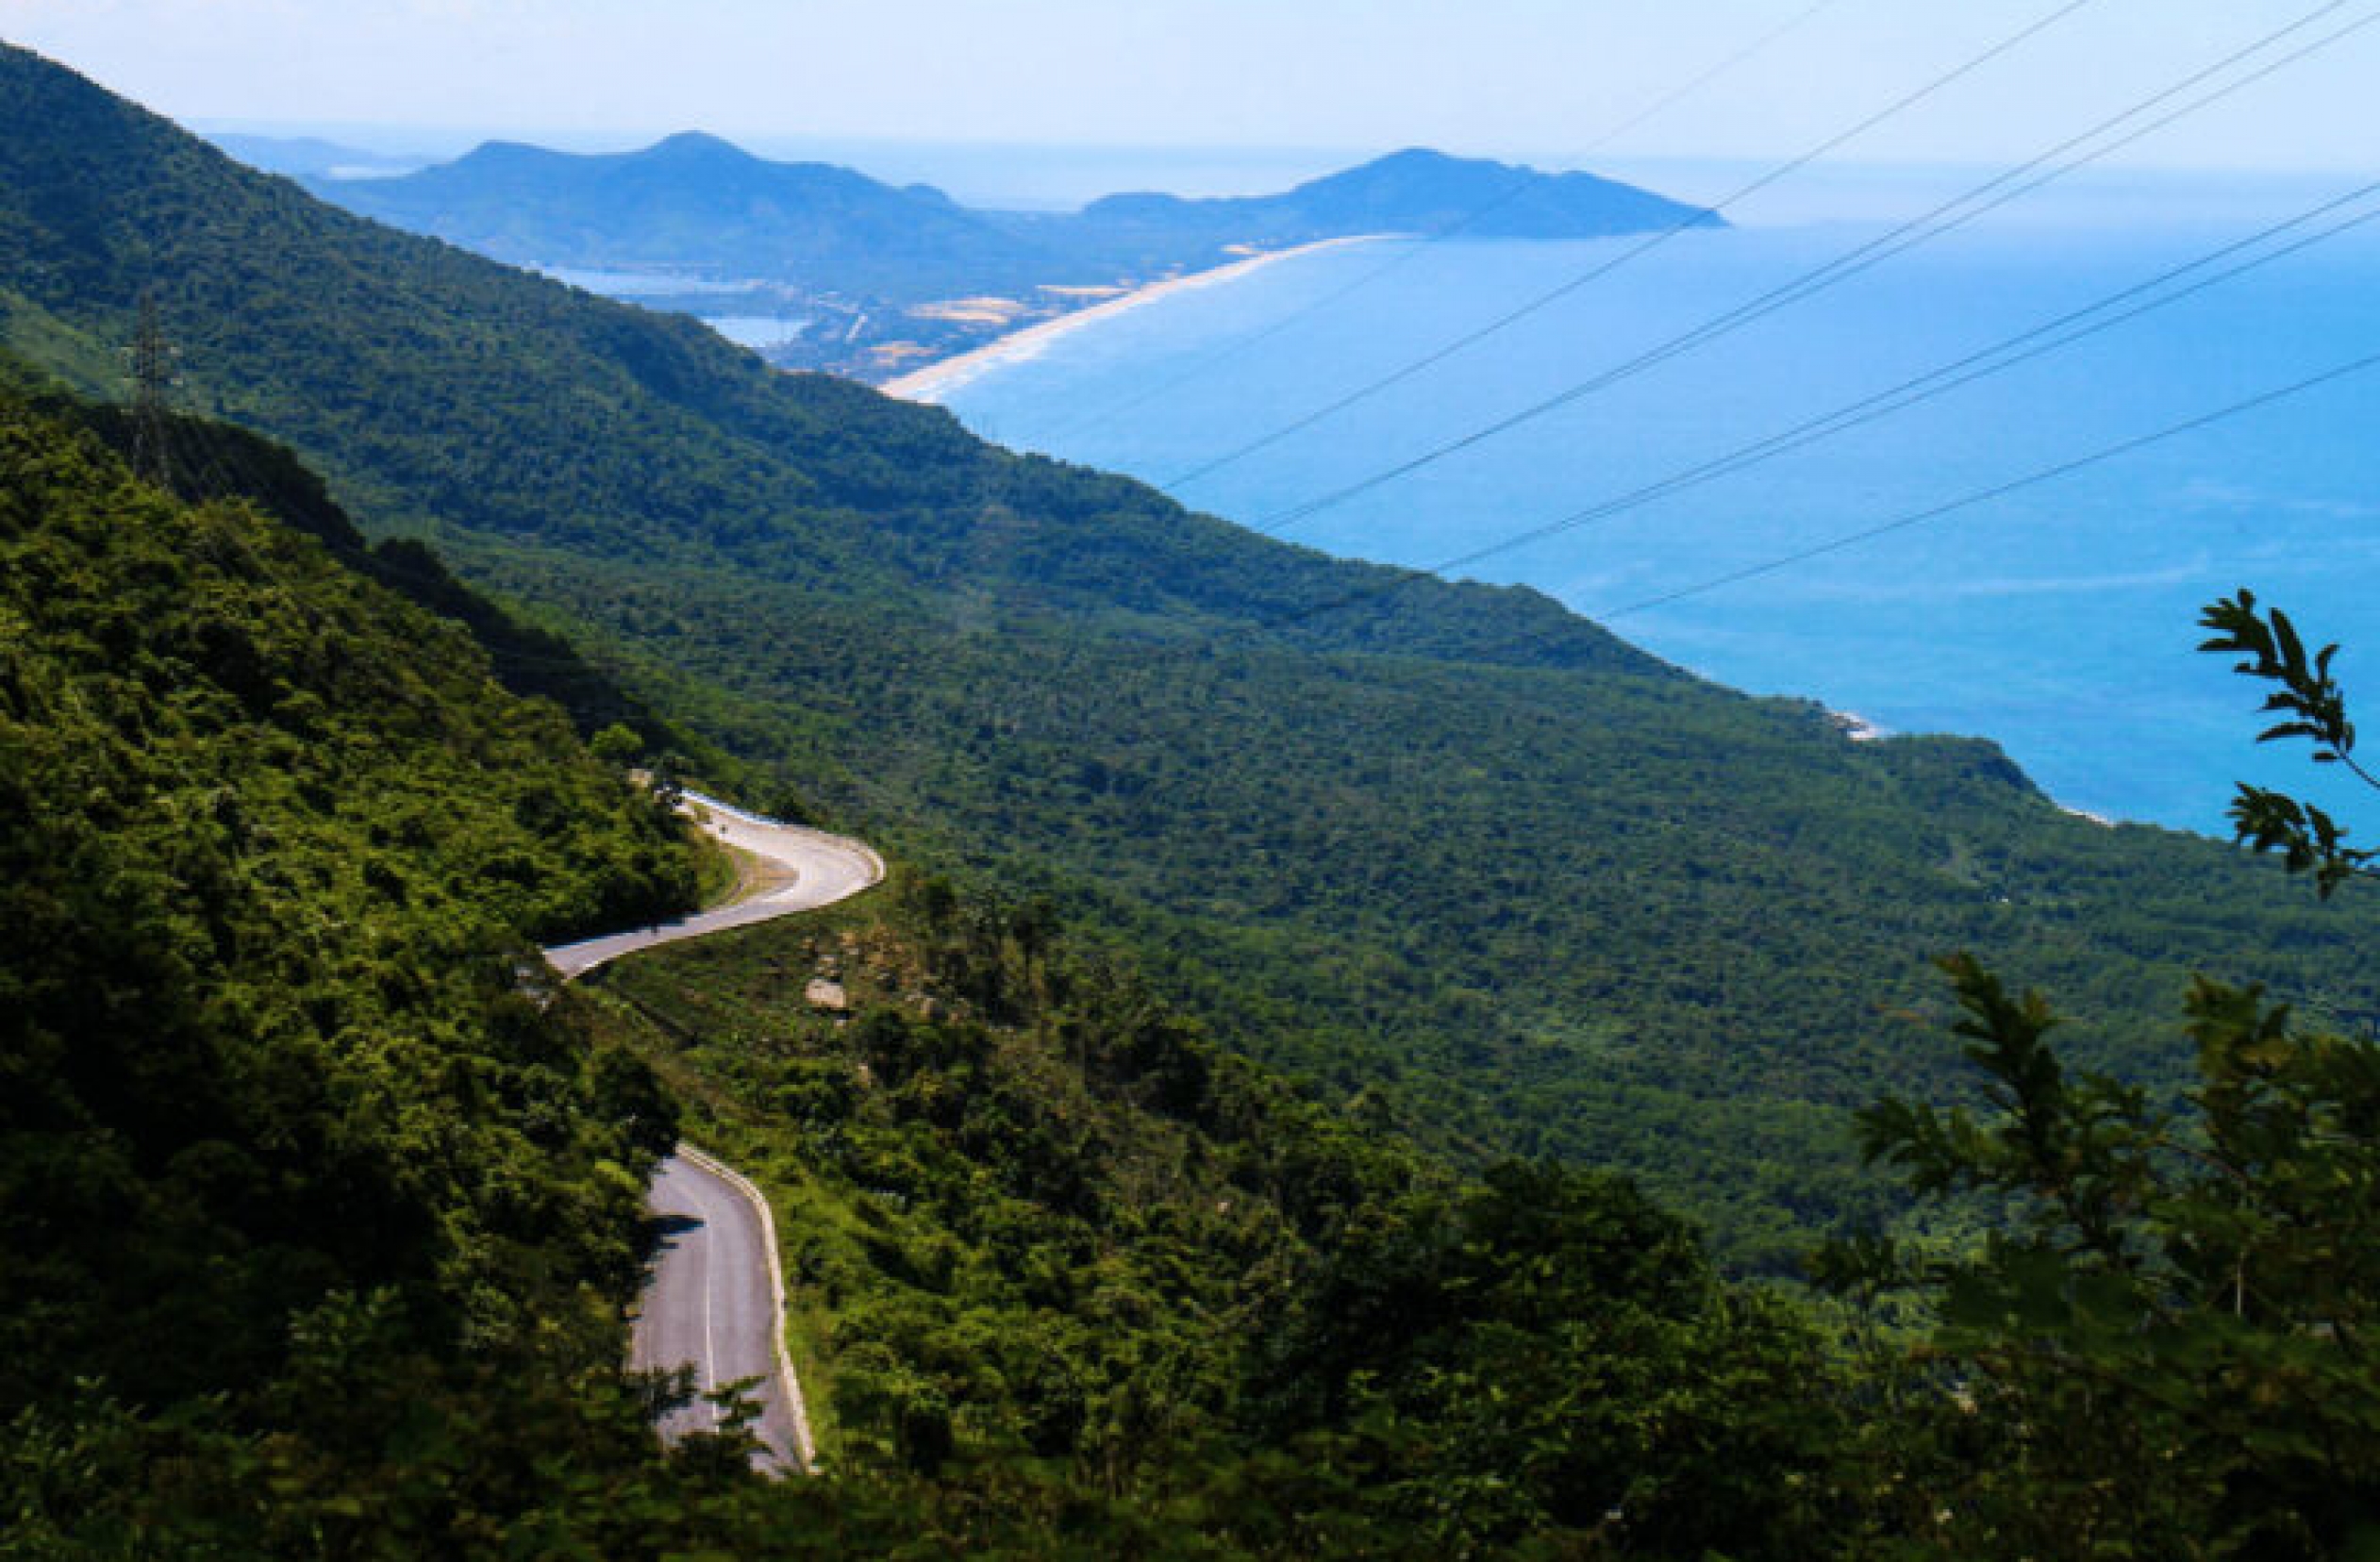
(932, 382)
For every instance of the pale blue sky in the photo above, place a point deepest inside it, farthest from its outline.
(1535, 78)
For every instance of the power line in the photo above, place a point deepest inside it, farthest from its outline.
(1946, 218)
(1513, 192)
(2048, 475)
(1996, 360)
(1744, 56)
(2076, 326)
(1647, 246)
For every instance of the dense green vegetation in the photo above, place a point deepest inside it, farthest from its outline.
(2154, 1348)
(293, 1172)
(1054, 1251)
(321, 1202)
(2159, 1345)
(2162, 1350)
(1444, 849)
(1082, 1285)
(203, 459)
(322, 1209)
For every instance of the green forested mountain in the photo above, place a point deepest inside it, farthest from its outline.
(285, 1143)
(1103, 1290)
(203, 459)
(695, 204)
(1447, 850)
(321, 1202)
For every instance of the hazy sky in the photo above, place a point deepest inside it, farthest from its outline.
(1541, 78)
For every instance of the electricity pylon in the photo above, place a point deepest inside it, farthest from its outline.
(152, 364)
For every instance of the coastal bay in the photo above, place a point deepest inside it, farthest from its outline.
(2059, 622)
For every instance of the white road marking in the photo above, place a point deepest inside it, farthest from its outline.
(710, 1346)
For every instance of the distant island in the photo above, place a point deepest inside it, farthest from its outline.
(308, 158)
(820, 267)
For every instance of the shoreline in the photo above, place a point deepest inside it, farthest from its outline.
(1858, 730)
(935, 380)
(1856, 726)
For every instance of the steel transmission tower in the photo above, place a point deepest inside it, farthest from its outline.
(153, 362)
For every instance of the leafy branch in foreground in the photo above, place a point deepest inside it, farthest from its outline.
(2162, 1346)
(2164, 1349)
(2314, 707)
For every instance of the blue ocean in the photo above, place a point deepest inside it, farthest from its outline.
(2058, 619)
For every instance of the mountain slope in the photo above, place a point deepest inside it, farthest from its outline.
(1051, 1242)
(321, 1207)
(283, 1145)
(441, 391)
(1448, 849)
(214, 460)
(695, 204)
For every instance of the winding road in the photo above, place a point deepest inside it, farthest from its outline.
(810, 869)
(714, 1298)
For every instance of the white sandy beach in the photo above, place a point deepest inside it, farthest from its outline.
(938, 380)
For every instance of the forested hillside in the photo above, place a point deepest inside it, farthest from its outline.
(323, 1201)
(286, 1142)
(1448, 851)
(1097, 1288)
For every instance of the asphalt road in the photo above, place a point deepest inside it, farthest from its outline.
(710, 1301)
(714, 1295)
(823, 869)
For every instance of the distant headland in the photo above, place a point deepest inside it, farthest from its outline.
(825, 268)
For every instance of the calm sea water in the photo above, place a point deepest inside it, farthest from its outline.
(2058, 621)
